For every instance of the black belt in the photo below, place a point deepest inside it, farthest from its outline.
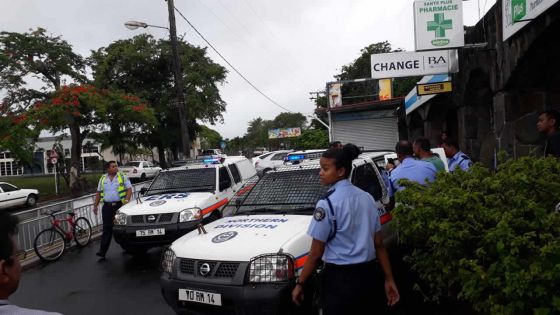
(113, 204)
(367, 264)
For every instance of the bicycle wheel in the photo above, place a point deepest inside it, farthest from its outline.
(49, 244)
(82, 231)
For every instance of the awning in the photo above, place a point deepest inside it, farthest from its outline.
(412, 101)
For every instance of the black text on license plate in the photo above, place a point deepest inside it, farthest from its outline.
(200, 297)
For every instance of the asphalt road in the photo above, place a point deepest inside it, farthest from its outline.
(80, 284)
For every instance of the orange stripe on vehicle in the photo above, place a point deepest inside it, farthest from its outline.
(301, 261)
(245, 189)
(386, 218)
(214, 206)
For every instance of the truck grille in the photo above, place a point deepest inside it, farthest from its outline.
(158, 218)
(217, 269)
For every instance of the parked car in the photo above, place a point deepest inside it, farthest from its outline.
(247, 263)
(12, 196)
(270, 160)
(259, 151)
(178, 200)
(140, 170)
(212, 152)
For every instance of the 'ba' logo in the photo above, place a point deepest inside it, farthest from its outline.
(220, 238)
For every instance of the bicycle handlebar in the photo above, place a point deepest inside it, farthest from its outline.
(53, 213)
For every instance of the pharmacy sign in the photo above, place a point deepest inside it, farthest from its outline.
(438, 24)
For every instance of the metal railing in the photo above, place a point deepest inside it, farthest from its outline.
(33, 221)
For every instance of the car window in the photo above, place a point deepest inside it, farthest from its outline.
(366, 178)
(145, 164)
(133, 164)
(264, 156)
(188, 180)
(7, 188)
(235, 173)
(279, 157)
(224, 179)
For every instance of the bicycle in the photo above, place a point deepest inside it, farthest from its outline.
(50, 243)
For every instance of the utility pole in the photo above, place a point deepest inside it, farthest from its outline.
(181, 102)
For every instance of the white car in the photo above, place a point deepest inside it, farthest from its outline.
(140, 170)
(247, 263)
(212, 152)
(178, 199)
(271, 160)
(12, 196)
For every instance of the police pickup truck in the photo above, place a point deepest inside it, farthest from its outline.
(178, 199)
(247, 263)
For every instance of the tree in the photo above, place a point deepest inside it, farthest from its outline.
(289, 120)
(361, 68)
(36, 55)
(311, 139)
(142, 66)
(82, 109)
(209, 138)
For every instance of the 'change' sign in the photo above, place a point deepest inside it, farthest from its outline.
(407, 64)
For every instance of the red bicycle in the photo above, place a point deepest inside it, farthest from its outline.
(50, 243)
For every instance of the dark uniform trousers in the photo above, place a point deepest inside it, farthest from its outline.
(352, 289)
(108, 212)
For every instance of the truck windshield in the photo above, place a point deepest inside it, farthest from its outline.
(188, 180)
(294, 191)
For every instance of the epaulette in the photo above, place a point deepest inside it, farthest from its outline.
(327, 195)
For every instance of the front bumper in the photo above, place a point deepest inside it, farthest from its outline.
(126, 235)
(261, 298)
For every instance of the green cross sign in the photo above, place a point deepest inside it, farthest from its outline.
(440, 24)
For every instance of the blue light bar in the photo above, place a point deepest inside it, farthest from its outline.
(296, 157)
(210, 161)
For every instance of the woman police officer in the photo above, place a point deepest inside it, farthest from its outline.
(346, 234)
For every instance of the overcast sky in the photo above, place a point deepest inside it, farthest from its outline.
(286, 48)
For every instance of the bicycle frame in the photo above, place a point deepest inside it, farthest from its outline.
(56, 223)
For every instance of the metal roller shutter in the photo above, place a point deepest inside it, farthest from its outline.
(371, 134)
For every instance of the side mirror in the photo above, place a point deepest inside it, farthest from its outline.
(143, 190)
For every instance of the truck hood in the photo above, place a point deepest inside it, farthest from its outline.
(166, 203)
(241, 238)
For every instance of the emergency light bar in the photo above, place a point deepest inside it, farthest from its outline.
(296, 157)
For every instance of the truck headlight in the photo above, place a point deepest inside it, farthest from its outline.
(271, 268)
(190, 214)
(167, 260)
(120, 218)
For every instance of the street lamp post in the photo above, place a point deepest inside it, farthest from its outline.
(181, 103)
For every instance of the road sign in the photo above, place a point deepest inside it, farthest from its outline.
(434, 88)
(438, 24)
(223, 144)
(408, 64)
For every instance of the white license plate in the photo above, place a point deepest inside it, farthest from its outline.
(150, 232)
(200, 297)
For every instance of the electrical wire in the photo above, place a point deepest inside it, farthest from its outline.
(234, 69)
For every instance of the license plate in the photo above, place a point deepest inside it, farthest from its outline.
(150, 232)
(200, 297)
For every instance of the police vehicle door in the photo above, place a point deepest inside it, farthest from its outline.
(226, 185)
(368, 179)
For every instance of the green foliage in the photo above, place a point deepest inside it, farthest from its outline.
(490, 239)
(209, 138)
(311, 139)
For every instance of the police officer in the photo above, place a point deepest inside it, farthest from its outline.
(455, 157)
(115, 190)
(347, 236)
(409, 168)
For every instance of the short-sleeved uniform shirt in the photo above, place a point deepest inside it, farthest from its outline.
(414, 170)
(357, 221)
(10, 309)
(459, 160)
(111, 188)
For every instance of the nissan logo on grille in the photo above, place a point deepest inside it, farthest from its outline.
(151, 218)
(204, 269)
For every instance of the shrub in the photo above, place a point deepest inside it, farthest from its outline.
(491, 239)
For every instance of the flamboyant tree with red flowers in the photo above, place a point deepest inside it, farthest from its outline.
(85, 109)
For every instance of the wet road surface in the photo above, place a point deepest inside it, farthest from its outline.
(80, 284)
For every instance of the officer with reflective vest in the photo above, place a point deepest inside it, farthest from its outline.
(115, 190)
(346, 232)
(455, 157)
